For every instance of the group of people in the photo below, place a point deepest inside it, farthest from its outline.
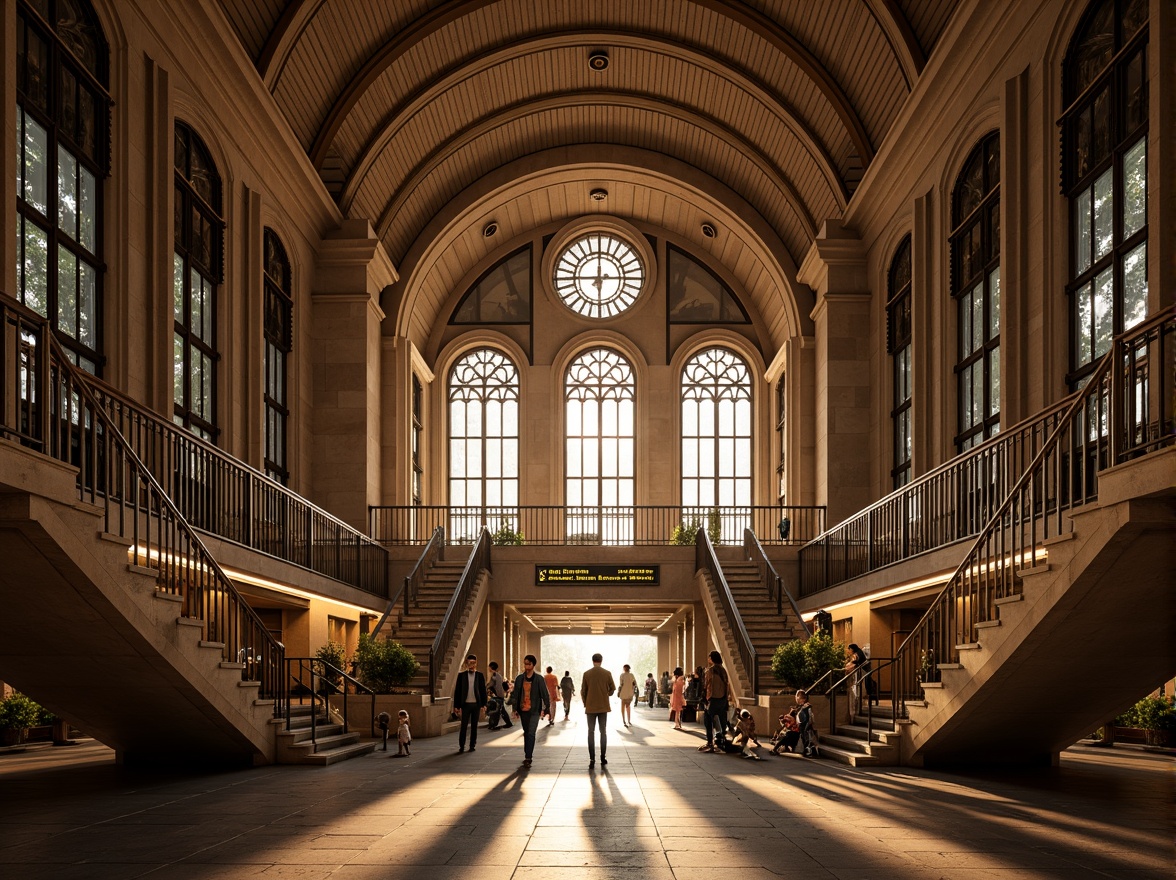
(535, 696)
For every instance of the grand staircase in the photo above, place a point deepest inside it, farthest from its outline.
(417, 627)
(767, 629)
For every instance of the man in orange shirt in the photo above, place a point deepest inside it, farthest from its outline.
(553, 692)
(529, 700)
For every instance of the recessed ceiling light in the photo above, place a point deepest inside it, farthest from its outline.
(709, 230)
(489, 229)
(598, 60)
(598, 195)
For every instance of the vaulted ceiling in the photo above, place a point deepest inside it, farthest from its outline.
(414, 110)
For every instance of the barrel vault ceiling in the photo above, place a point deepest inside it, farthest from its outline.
(431, 117)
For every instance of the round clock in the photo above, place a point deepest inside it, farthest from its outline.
(598, 275)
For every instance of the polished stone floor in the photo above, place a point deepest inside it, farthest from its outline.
(659, 810)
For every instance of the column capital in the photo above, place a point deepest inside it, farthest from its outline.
(836, 261)
(352, 260)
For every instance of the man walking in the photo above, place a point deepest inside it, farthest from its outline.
(530, 701)
(469, 696)
(595, 688)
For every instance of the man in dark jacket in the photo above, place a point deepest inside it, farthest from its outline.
(530, 700)
(469, 696)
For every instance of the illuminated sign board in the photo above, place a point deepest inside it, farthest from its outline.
(643, 575)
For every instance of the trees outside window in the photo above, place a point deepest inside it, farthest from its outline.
(278, 344)
(196, 272)
(898, 345)
(975, 285)
(63, 157)
(1104, 176)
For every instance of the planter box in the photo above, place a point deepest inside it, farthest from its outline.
(425, 715)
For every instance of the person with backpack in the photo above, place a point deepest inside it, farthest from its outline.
(716, 686)
(496, 714)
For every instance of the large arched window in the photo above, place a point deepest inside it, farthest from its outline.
(1104, 175)
(716, 439)
(199, 250)
(63, 155)
(600, 396)
(483, 442)
(975, 284)
(898, 345)
(278, 343)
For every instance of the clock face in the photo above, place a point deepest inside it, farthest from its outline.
(598, 275)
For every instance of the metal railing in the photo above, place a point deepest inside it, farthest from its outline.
(318, 680)
(1126, 409)
(753, 551)
(595, 526)
(478, 562)
(51, 407)
(705, 560)
(434, 551)
(949, 504)
(225, 497)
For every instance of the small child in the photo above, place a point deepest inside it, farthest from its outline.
(808, 730)
(745, 727)
(787, 734)
(403, 735)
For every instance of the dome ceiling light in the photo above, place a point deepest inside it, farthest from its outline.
(598, 60)
(598, 195)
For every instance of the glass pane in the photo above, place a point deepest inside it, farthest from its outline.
(1135, 189)
(473, 456)
(510, 458)
(178, 288)
(457, 462)
(87, 210)
(1104, 215)
(689, 458)
(1135, 286)
(36, 268)
(994, 303)
(1104, 316)
(197, 304)
(1083, 302)
(978, 392)
(978, 316)
(1082, 231)
(493, 457)
(36, 162)
(20, 258)
(574, 459)
(67, 292)
(178, 383)
(994, 381)
(87, 305)
(67, 193)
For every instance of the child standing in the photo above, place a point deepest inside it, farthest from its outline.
(403, 735)
(745, 727)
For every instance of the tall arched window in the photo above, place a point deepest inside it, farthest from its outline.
(199, 249)
(975, 284)
(278, 343)
(716, 438)
(63, 155)
(484, 441)
(600, 396)
(1104, 175)
(898, 345)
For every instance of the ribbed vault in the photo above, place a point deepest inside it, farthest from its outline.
(779, 105)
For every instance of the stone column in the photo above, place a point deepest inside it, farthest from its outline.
(345, 338)
(835, 268)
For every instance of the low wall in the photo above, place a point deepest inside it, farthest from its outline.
(426, 716)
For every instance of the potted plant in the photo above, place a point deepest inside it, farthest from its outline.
(685, 533)
(800, 662)
(506, 536)
(1155, 716)
(384, 665)
(17, 714)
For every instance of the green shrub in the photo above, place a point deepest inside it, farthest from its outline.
(506, 536)
(18, 712)
(334, 654)
(384, 665)
(1150, 713)
(714, 526)
(685, 533)
(799, 663)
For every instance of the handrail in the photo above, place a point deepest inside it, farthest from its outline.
(945, 505)
(228, 498)
(410, 587)
(329, 670)
(61, 416)
(560, 525)
(1109, 421)
(752, 548)
(478, 561)
(706, 560)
